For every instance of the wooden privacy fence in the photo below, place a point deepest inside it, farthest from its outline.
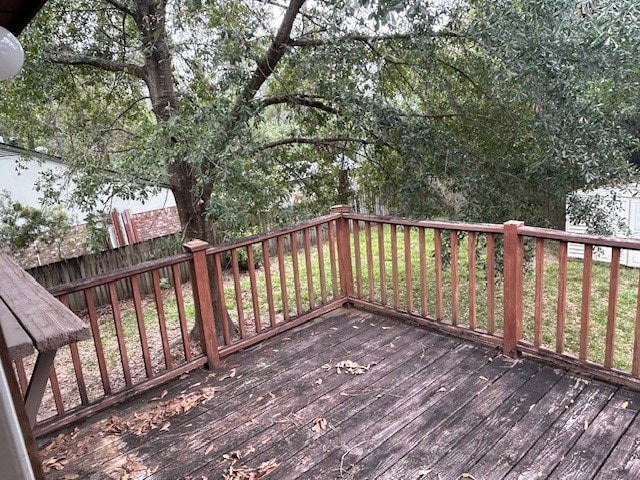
(508, 285)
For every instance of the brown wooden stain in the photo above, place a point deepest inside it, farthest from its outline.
(585, 311)
(295, 264)
(539, 293)
(343, 232)
(472, 274)
(471, 413)
(408, 268)
(491, 283)
(614, 284)
(437, 241)
(308, 268)
(561, 317)
(122, 345)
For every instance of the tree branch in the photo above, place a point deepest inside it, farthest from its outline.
(118, 5)
(303, 100)
(267, 64)
(316, 42)
(314, 141)
(101, 63)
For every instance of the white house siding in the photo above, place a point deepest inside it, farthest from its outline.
(628, 198)
(21, 182)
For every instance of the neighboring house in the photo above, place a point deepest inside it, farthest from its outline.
(623, 205)
(130, 221)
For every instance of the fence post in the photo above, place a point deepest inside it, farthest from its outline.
(513, 271)
(203, 303)
(343, 239)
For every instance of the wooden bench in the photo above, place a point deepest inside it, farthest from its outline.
(31, 318)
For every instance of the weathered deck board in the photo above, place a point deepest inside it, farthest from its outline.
(432, 407)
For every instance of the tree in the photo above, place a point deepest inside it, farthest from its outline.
(22, 225)
(229, 102)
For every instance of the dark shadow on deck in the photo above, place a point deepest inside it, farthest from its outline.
(432, 407)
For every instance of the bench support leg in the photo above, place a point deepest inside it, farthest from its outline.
(38, 382)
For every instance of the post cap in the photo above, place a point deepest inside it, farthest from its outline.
(341, 209)
(195, 245)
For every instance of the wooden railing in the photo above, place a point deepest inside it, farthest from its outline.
(507, 285)
(239, 294)
(442, 272)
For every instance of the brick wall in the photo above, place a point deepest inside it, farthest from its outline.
(153, 224)
(156, 223)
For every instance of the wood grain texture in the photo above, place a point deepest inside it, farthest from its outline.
(49, 324)
(430, 402)
(18, 341)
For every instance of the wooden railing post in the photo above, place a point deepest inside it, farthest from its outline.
(343, 239)
(513, 270)
(203, 302)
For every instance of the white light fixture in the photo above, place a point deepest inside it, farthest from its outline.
(11, 54)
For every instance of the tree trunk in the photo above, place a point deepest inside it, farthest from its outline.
(158, 76)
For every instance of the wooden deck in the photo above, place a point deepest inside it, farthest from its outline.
(429, 407)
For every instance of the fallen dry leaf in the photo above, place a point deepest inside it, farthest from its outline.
(318, 381)
(156, 416)
(468, 475)
(624, 404)
(319, 424)
(352, 368)
(208, 449)
(247, 473)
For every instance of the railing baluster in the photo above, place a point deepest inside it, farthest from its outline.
(257, 321)
(585, 312)
(22, 375)
(237, 288)
(55, 389)
(437, 242)
(296, 271)
(97, 341)
(320, 249)
(75, 359)
(268, 283)
(308, 268)
(142, 330)
(539, 293)
(471, 253)
(562, 297)
(117, 321)
(162, 319)
(358, 260)
(367, 233)
(408, 268)
(614, 283)
(491, 283)
(226, 334)
(635, 367)
(394, 265)
(283, 279)
(424, 296)
(382, 266)
(332, 258)
(455, 284)
(182, 317)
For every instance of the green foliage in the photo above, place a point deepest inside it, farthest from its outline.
(480, 111)
(21, 225)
